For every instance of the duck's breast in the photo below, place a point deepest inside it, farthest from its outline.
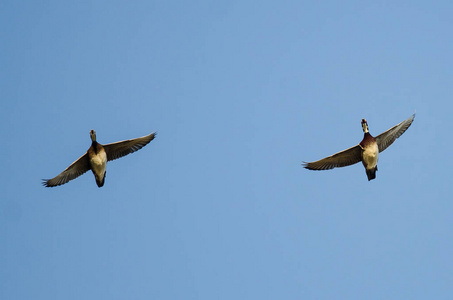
(98, 162)
(370, 155)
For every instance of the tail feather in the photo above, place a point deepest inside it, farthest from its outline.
(371, 173)
(100, 181)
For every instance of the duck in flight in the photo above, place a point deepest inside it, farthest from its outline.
(95, 159)
(367, 151)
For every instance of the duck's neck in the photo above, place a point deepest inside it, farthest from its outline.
(365, 128)
(367, 134)
(95, 146)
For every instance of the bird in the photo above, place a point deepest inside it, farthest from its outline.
(367, 151)
(95, 159)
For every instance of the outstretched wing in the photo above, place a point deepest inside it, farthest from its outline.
(341, 159)
(120, 149)
(387, 138)
(77, 168)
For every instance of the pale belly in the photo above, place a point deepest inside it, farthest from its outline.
(370, 157)
(99, 163)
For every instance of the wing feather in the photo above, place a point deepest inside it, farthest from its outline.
(385, 139)
(341, 159)
(77, 168)
(123, 148)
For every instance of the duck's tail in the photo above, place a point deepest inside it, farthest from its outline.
(371, 173)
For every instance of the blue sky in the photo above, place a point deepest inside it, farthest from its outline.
(218, 205)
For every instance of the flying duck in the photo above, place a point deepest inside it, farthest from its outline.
(367, 151)
(95, 159)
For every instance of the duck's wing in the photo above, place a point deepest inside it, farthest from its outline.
(341, 159)
(387, 138)
(77, 168)
(120, 149)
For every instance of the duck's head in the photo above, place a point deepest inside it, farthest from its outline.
(364, 126)
(93, 135)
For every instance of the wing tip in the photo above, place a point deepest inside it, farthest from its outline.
(152, 135)
(307, 166)
(45, 182)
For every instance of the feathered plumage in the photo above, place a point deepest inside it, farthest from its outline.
(96, 158)
(366, 151)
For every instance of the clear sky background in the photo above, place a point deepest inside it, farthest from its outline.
(218, 206)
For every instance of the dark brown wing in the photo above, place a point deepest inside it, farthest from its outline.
(120, 149)
(77, 168)
(387, 138)
(341, 159)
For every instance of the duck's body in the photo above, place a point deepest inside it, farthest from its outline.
(370, 155)
(367, 151)
(95, 159)
(98, 162)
